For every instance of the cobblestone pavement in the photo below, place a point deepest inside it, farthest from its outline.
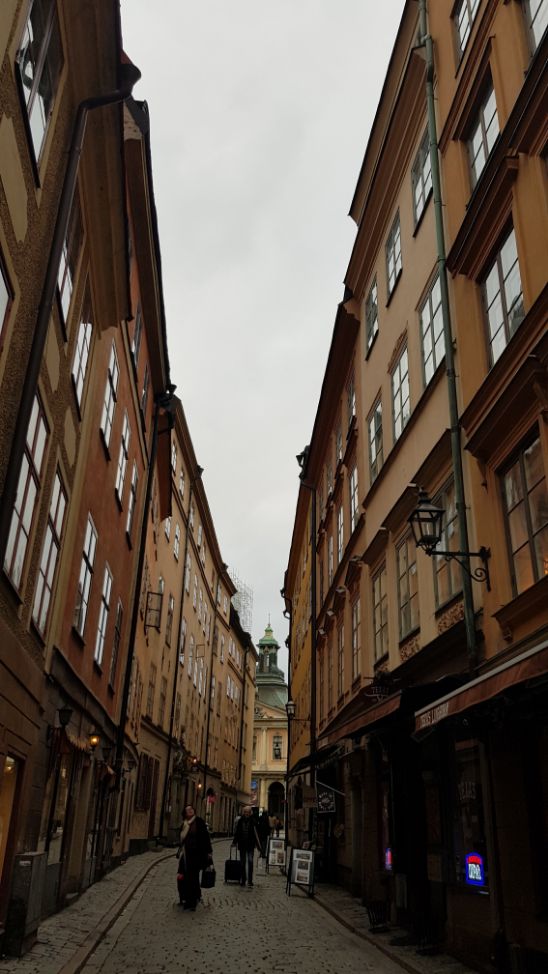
(131, 921)
(260, 930)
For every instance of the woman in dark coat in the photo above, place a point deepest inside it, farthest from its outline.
(196, 854)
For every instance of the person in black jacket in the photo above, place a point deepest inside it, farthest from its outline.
(263, 831)
(247, 840)
(196, 854)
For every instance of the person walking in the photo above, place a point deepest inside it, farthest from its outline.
(277, 826)
(247, 840)
(195, 854)
(263, 831)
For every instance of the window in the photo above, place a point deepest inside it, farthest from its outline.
(69, 260)
(432, 337)
(380, 614)
(182, 640)
(351, 399)
(167, 528)
(190, 663)
(329, 476)
(400, 394)
(163, 698)
(393, 255)
(40, 59)
(144, 393)
(338, 444)
(177, 541)
(200, 535)
(174, 457)
(503, 297)
(195, 592)
(447, 577)
(188, 572)
(407, 587)
(464, 15)
(340, 661)
(182, 482)
(526, 508)
(151, 691)
(277, 747)
(28, 489)
(371, 315)
(483, 135)
(86, 575)
(375, 440)
(137, 335)
(116, 642)
(50, 554)
(81, 352)
(111, 392)
(122, 458)
(169, 620)
(103, 616)
(340, 533)
(421, 179)
(330, 564)
(132, 499)
(353, 489)
(537, 17)
(356, 635)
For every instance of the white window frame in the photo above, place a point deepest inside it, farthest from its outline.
(132, 500)
(401, 396)
(102, 620)
(50, 554)
(354, 499)
(111, 395)
(421, 178)
(81, 354)
(123, 457)
(371, 314)
(86, 576)
(356, 639)
(394, 261)
(28, 491)
(431, 330)
(483, 133)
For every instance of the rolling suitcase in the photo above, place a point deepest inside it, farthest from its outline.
(233, 867)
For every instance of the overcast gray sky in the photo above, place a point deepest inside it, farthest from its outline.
(260, 115)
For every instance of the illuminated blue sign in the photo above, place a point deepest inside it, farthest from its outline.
(475, 869)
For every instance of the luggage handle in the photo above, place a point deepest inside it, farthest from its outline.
(235, 848)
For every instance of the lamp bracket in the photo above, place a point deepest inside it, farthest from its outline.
(479, 574)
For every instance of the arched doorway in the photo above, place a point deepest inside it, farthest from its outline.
(276, 797)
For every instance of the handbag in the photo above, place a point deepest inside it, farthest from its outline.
(208, 877)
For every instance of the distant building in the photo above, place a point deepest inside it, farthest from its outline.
(269, 758)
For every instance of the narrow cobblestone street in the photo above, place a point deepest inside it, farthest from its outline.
(260, 930)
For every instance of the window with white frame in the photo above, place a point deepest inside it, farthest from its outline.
(330, 560)
(182, 640)
(188, 573)
(356, 639)
(116, 642)
(132, 499)
(181, 482)
(408, 595)
(483, 134)
(421, 179)
(40, 60)
(145, 389)
(122, 457)
(167, 528)
(338, 443)
(393, 255)
(432, 337)
(195, 592)
(81, 351)
(400, 394)
(190, 664)
(353, 492)
(50, 554)
(104, 610)
(371, 315)
(380, 614)
(86, 576)
(503, 297)
(537, 19)
(464, 16)
(525, 498)
(340, 534)
(69, 260)
(351, 399)
(200, 535)
(169, 619)
(329, 477)
(374, 428)
(447, 575)
(174, 457)
(191, 516)
(111, 394)
(340, 660)
(137, 334)
(177, 541)
(28, 490)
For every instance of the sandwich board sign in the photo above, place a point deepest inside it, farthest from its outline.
(301, 870)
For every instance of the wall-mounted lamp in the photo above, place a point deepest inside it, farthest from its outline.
(427, 525)
(93, 740)
(290, 711)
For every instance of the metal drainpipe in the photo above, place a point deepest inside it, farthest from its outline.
(288, 765)
(30, 382)
(313, 641)
(176, 674)
(468, 602)
(161, 401)
(213, 653)
(240, 759)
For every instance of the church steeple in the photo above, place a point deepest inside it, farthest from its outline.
(268, 654)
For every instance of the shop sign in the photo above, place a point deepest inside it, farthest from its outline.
(388, 859)
(475, 869)
(433, 716)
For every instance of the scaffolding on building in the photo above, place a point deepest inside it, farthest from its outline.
(242, 601)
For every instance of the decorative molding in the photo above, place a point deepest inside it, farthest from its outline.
(450, 617)
(409, 648)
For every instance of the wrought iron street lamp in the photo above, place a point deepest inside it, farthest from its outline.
(427, 525)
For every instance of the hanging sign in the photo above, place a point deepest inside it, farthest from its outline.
(325, 799)
(474, 869)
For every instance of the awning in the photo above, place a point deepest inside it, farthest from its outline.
(527, 666)
(372, 715)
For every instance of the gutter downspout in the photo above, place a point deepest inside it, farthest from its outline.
(213, 654)
(288, 763)
(198, 474)
(313, 640)
(425, 40)
(130, 75)
(240, 756)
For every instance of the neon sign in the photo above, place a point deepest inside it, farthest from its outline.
(388, 859)
(475, 869)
